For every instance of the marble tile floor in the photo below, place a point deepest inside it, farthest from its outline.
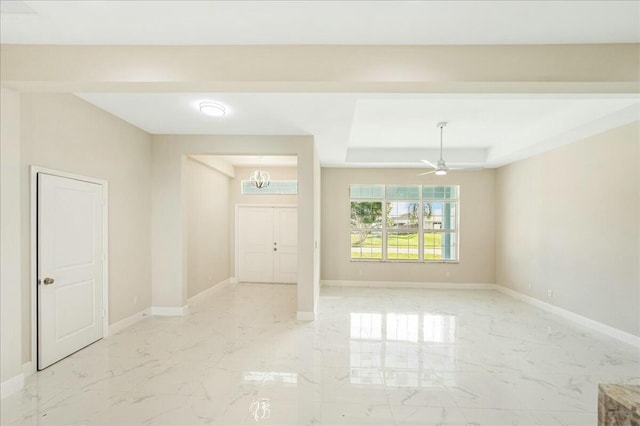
(373, 356)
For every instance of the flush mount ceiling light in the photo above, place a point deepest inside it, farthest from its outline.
(213, 109)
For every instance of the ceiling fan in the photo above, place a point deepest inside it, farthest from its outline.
(440, 168)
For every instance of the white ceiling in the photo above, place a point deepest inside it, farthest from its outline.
(357, 130)
(352, 129)
(319, 22)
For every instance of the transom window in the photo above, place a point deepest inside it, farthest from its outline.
(404, 222)
(280, 187)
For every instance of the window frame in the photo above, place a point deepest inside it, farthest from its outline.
(384, 229)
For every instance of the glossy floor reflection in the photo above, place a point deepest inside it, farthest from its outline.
(374, 356)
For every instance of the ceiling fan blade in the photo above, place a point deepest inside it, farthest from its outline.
(427, 173)
(429, 163)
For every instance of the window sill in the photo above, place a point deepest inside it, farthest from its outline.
(402, 261)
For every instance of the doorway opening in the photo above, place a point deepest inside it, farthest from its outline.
(222, 192)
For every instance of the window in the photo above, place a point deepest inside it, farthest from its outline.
(404, 222)
(280, 187)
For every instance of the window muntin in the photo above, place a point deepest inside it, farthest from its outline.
(366, 244)
(430, 192)
(402, 192)
(418, 223)
(366, 214)
(439, 215)
(403, 215)
(366, 192)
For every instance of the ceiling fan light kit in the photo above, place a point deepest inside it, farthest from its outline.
(441, 172)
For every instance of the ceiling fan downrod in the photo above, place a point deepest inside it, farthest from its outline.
(441, 126)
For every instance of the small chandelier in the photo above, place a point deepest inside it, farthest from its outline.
(260, 179)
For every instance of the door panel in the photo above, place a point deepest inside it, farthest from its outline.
(286, 239)
(255, 239)
(286, 269)
(78, 221)
(70, 252)
(74, 315)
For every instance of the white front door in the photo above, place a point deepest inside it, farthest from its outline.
(70, 266)
(255, 235)
(285, 237)
(267, 244)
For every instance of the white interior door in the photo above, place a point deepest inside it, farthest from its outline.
(70, 266)
(255, 245)
(267, 244)
(285, 236)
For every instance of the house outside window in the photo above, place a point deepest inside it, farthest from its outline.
(416, 223)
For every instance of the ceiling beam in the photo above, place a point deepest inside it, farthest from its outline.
(585, 68)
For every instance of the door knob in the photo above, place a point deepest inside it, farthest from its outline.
(48, 281)
(275, 249)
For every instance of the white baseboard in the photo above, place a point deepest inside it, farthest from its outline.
(126, 322)
(11, 386)
(169, 311)
(305, 316)
(212, 289)
(621, 335)
(28, 368)
(408, 284)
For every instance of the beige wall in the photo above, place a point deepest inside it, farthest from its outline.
(10, 279)
(568, 221)
(243, 173)
(477, 227)
(208, 222)
(317, 224)
(63, 132)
